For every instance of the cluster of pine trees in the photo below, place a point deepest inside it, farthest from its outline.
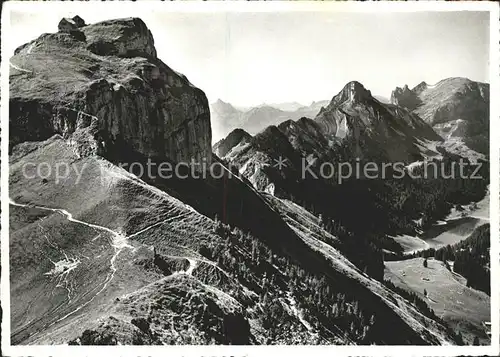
(333, 308)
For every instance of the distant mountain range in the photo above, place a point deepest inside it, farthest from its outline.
(285, 106)
(226, 117)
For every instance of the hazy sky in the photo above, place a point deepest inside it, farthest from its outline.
(251, 58)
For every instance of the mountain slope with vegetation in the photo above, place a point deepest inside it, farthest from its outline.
(466, 310)
(144, 260)
(386, 207)
(390, 204)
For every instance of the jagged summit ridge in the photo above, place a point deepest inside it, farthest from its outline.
(449, 100)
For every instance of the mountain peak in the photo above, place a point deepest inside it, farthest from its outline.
(220, 103)
(356, 118)
(353, 91)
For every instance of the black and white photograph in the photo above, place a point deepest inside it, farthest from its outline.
(235, 174)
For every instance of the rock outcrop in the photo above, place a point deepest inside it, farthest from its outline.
(404, 97)
(111, 85)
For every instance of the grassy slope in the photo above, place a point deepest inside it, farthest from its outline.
(464, 308)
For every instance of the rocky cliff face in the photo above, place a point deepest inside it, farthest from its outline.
(237, 136)
(105, 80)
(356, 119)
